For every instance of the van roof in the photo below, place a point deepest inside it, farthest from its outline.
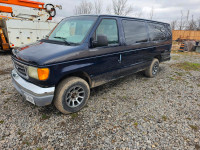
(117, 16)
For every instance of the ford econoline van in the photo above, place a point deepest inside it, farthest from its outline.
(86, 51)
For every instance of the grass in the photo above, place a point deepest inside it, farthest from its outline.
(145, 119)
(5, 107)
(176, 122)
(164, 118)
(189, 73)
(1, 121)
(175, 57)
(186, 53)
(188, 118)
(20, 133)
(39, 148)
(175, 78)
(126, 114)
(190, 86)
(136, 104)
(193, 127)
(179, 73)
(188, 66)
(26, 142)
(3, 92)
(74, 115)
(124, 97)
(171, 78)
(135, 124)
(162, 90)
(44, 117)
(113, 93)
(86, 106)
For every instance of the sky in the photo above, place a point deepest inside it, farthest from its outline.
(164, 10)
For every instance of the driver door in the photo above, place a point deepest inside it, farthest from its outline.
(107, 58)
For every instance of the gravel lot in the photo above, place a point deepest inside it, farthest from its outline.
(134, 112)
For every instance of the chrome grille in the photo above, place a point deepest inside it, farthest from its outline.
(21, 69)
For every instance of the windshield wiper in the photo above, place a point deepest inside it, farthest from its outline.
(64, 39)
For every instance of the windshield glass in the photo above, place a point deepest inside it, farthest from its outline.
(73, 30)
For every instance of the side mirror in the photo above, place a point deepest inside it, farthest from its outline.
(102, 40)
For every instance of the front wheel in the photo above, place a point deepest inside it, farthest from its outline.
(71, 95)
(153, 69)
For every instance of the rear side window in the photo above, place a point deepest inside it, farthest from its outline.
(169, 31)
(135, 31)
(108, 27)
(157, 32)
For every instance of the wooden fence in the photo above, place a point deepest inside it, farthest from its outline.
(182, 34)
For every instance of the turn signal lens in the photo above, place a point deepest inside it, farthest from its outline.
(43, 73)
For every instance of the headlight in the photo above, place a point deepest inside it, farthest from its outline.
(38, 73)
(32, 72)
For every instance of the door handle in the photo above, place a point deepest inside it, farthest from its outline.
(120, 58)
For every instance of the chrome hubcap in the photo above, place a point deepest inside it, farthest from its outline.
(75, 96)
(155, 68)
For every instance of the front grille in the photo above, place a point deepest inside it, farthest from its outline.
(21, 69)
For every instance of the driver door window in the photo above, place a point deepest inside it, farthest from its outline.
(108, 28)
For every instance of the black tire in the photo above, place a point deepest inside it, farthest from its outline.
(71, 95)
(153, 69)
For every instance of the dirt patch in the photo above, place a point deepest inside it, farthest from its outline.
(7, 71)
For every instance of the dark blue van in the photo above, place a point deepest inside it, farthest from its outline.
(86, 51)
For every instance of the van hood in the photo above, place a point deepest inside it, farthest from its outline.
(47, 52)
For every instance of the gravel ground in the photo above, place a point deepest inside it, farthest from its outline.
(134, 112)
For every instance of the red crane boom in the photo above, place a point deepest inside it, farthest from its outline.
(25, 3)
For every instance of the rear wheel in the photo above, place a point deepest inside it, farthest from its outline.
(153, 69)
(71, 95)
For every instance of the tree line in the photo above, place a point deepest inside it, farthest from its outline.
(186, 22)
(124, 8)
(118, 7)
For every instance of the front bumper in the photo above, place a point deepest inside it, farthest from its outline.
(37, 95)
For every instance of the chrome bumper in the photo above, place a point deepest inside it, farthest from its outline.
(37, 95)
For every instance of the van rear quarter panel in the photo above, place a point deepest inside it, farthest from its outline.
(159, 50)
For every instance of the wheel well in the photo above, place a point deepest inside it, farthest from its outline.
(82, 75)
(158, 57)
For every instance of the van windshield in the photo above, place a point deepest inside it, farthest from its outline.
(73, 30)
